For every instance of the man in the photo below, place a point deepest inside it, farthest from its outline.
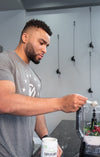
(19, 93)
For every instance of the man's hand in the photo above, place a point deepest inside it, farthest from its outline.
(71, 103)
(59, 152)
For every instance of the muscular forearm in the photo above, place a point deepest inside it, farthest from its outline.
(40, 126)
(27, 106)
(17, 104)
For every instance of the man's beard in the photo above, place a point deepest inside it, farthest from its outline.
(30, 53)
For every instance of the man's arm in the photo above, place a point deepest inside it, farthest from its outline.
(40, 126)
(41, 130)
(17, 104)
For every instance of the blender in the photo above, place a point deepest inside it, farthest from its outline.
(88, 129)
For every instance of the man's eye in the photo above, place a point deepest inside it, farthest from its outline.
(41, 43)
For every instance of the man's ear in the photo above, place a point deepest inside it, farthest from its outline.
(24, 37)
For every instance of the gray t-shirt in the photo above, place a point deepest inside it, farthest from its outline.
(16, 132)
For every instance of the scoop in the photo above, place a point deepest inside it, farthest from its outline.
(92, 103)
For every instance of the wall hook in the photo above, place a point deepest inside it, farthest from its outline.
(73, 58)
(90, 90)
(58, 71)
(91, 45)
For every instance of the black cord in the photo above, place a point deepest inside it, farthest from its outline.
(90, 53)
(58, 70)
(90, 66)
(74, 24)
(91, 43)
(90, 24)
(73, 57)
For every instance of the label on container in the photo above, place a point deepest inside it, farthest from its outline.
(49, 147)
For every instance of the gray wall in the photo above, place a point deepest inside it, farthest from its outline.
(74, 77)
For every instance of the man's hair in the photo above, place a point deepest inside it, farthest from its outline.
(38, 24)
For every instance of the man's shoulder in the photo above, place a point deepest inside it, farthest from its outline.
(5, 58)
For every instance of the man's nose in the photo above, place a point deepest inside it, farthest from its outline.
(44, 49)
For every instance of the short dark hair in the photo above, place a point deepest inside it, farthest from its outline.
(38, 24)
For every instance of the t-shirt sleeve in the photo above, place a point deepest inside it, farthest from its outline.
(5, 68)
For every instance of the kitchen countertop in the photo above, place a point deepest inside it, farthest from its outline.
(67, 137)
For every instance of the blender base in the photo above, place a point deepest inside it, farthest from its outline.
(89, 151)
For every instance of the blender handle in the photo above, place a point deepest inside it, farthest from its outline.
(78, 124)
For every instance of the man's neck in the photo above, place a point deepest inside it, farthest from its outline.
(21, 53)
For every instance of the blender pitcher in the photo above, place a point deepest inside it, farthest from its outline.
(88, 129)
